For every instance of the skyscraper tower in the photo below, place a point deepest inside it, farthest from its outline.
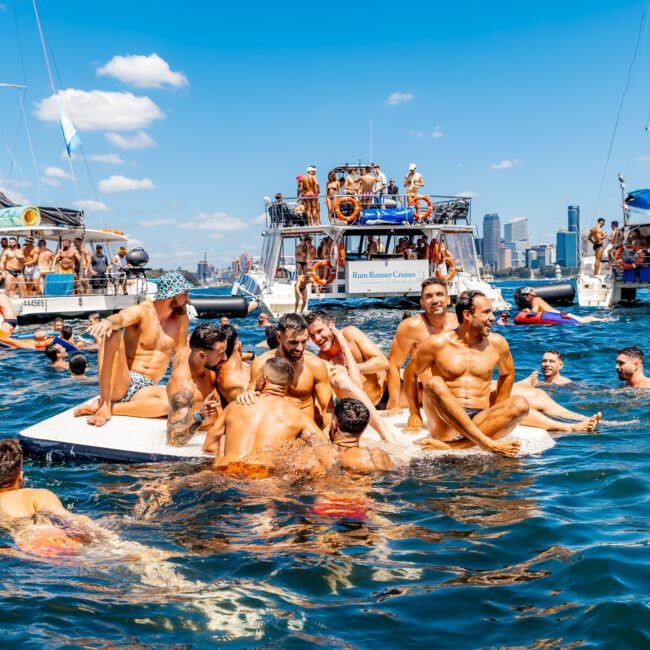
(573, 218)
(491, 238)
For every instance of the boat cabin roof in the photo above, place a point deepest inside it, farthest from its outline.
(53, 233)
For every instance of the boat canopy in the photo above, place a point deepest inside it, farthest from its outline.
(52, 233)
(638, 200)
(52, 216)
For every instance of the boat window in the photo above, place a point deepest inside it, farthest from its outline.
(461, 247)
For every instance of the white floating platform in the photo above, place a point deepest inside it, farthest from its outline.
(141, 440)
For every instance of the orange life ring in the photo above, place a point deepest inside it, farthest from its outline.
(314, 272)
(341, 254)
(337, 208)
(413, 202)
(451, 268)
(638, 257)
(434, 252)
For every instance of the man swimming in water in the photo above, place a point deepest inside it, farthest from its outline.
(270, 421)
(190, 389)
(57, 354)
(310, 388)
(9, 320)
(552, 363)
(596, 237)
(434, 319)
(530, 303)
(136, 347)
(456, 399)
(234, 375)
(629, 366)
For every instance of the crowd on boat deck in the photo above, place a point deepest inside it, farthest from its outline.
(23, 269)
(367, 185)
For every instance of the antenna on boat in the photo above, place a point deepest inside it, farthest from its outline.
(370, 145)
(621, 180)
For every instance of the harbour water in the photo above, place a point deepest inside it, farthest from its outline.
(548, 551)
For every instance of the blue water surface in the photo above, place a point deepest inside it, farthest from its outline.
(539, 552)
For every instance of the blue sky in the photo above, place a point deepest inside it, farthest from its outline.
(513, 102)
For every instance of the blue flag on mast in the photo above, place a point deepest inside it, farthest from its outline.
(70, 135)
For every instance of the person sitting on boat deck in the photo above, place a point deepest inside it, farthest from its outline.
(81, 276)
(78, 365)
(66, 257)
(597, 236)
(422, 248)
(270, 421)
(118, 271)
(365, 184)
(263, 320)
(629, 366)
(413, 181)
(31, 269)
(357, 367)
(12, 263)
(392, 191)
(504, 319)
(372, 248)
(193, 404)
(530, 303)
(234, 375)
(310, 388)
(45, 263)
(456, 399)
(280, 213)
(136, 346)
(309, 191)
(9, 320)
(57, 354)
(433, 319)
(635, 238)
(98, 269)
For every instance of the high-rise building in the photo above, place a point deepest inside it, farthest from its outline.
(567, 248)
(545, 254)
(531, 259)
(573, 218)
(517, 231)
(491, 238)
(504, 258)
(204, 270)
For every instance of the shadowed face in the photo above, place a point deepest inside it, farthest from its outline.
(292, 344)
(321, 335)
(179, 303)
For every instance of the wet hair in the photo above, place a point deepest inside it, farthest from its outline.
(465, 301)
(294, 322)
(77, 363)
(11, 462)
(351, 416)
(94, 316)
(66, 332)
(278, 371)
(633, 351)
(52, 352)
(271, 338)
(429, 281)
(406, 314)
(556, 353)
(231, 338)
(317, 314)
(205, 336)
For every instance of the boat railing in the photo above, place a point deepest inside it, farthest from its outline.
(358, 209)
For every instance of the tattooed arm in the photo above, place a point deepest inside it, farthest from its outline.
(181, 422)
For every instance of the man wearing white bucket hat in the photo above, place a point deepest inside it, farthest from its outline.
(413, 181)
(136, 346)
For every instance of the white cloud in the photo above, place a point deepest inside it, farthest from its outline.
(108, 158)
(398, 98)
(51, 182)
(644, 158)
(506, 164)
(133, 242)
(416, 134)
(140, 140)
(155, 223)
(99, 110)
(260, 218)
(467, 195)
(57, 172)
(216, 221)
(143, 71)
(437, 133)
(15, 196)
(91, 206)
(124, 184)
(216, 235)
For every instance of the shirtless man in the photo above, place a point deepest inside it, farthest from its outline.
(327, 243)
(309, 191)
(66, 257)
(597, 237)
(629, 366)
(372, 249)
(305, 255)
(270, 421)
(84, 254)
(434, 319)
(45, 257)
(456, 399)
(136, 347)
(30, 270)
(9, 320)
(310, 388)
(12, 263)
(366, 185)
(350, 184)
(529, 302)
(552, 363)
(234, 375)
(413, 181)
(191, 387)
(57, 354)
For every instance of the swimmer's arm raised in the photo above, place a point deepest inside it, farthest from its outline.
(506, 368)
(181, 423)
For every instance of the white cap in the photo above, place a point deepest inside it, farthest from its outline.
(411, 166)
(311, 168)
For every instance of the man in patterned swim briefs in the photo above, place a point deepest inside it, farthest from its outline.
(136, 346)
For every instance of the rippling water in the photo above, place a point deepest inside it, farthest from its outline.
(548, 551)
